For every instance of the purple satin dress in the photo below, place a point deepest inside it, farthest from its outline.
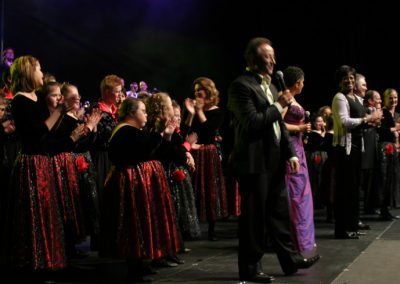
(299, 189)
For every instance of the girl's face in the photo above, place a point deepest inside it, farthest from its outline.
(121, 98)
(168, 111)
(177, 115)
(140, 117)
(53, 98)
(72, 98)
(319, 123)
(2, 111)
(38, 75)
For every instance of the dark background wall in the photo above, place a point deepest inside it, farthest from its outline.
(169, 43)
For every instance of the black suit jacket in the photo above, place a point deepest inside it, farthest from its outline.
(255, 143)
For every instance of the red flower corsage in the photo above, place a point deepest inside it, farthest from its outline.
(317, 159)
(81, 164)
(178, 175)
(389, 149)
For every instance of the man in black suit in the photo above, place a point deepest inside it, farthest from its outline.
(261, 148)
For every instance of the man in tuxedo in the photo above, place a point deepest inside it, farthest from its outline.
(369, 158)
(261, 148)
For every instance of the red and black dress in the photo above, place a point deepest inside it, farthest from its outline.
(137, 215)
(75, 181)
(208, 178)
(99, 149)
(35, 233)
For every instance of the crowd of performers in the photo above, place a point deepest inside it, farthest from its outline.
(127, 172)
(138, 176)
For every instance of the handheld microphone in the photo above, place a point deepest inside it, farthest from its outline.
(307, 117)
(281, 81)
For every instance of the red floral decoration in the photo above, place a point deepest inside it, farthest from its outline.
(317, 159)
(81, 164)
(178, 175)
(389, 149)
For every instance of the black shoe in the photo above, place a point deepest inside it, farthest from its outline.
(174, 259)
(148, 270)
(77, 254)
(163, 263)
(346, 235)
(362, 226)
(306, 262)
(259, 277)
(290, 271)
(389, 217)
(371, 212)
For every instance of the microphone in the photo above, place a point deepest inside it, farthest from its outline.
(281, 81)
(307, 117)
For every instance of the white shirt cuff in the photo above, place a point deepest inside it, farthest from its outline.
(278, 106)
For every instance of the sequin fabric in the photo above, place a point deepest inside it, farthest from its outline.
(209, 184)
(184, 204)
(138, 217)
(99, 150)
(89, 193)
(35, 222)
(68, 192)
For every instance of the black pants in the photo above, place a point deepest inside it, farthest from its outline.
(346, 195)
(264, 212)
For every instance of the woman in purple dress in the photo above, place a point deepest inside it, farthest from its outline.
(298, 184)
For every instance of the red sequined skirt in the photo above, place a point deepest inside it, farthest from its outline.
(68, 192)
(137, 216)
(208, 184)
(35, 227)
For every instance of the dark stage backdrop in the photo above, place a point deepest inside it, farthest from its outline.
(169, 43)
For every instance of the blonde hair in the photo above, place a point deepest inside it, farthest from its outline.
(156, 115)
(108, 83)
(386, 96)
(66, 88)
(22, 74)
(212, 97)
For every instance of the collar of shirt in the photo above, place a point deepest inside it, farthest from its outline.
(104, 107)
(266, 79)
